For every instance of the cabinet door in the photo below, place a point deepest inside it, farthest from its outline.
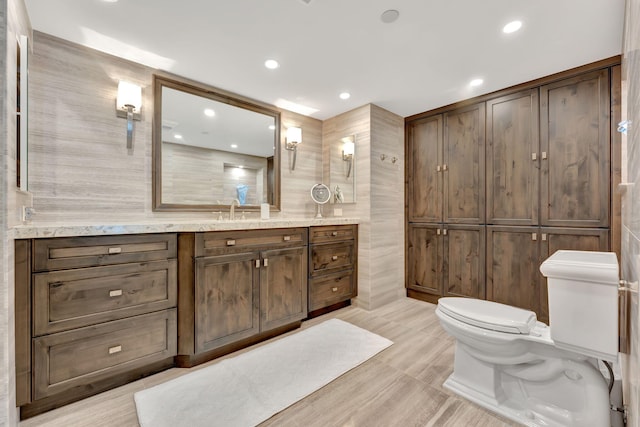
(580, 239)
(513, 261)
(425, 258)
(513, 159)
(464, 253)
(283, 287)
(575, 135)
(226, 299)
(463, 164)
(425, 170)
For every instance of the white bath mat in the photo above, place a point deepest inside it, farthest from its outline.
(251, 387)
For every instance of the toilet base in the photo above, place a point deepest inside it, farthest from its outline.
(544, 392)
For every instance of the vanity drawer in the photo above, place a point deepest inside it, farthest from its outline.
(78, 358)
(325, 258)
(75, 298)
(330, 289)
(332, 233)
(227, 242)
(77, 252)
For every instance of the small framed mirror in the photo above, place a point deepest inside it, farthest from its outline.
(212, 148)
(342, 170)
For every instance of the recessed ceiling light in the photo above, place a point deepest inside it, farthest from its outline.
(345, 95)
(209, 112)
(177, 136)
(476, 82)
(512, 27)
(271, 64)
(110, 1)
(389, 16)
(234, 145)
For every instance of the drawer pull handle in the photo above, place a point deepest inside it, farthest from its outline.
(334, 289)
(114, 251)
(286, 238)
(115, 293)
(334, 258)
(231, 242)
(335, 233)
(115, 349)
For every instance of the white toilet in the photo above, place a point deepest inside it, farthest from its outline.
(509, 363)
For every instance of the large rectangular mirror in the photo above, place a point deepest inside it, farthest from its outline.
(342, 170)
(212, 148)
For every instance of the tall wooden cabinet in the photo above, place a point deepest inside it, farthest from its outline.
(546, 186)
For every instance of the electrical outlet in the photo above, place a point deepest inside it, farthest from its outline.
(27, 213)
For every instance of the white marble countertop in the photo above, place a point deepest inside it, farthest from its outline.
(40, 230)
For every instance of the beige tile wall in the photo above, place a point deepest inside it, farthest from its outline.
(13, 22)
(80, 169)
(379, 199)
(631, 203)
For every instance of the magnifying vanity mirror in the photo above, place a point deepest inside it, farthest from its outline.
(212, 149)
(342, 176)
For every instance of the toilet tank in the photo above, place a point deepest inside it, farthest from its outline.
(583, 302)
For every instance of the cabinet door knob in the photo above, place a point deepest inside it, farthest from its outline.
(444, 232)
(286, 238)
(115, 293)
(534, 156)
(334, 289)
(334, 258)
(257, 263)
(265, 262)
(544, 155)
(438, 231)
(231, 242)
(544, 237)
(115, 349)
(534, 236)
(438, 168)
(335, 233)
(444, 167)
(112, 251)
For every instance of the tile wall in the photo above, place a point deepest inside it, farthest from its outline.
(631, 203)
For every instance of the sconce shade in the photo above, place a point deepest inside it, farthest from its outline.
(348, 148)
(294, 135)
(129, 94)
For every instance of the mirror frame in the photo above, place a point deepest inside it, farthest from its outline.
(218, 95)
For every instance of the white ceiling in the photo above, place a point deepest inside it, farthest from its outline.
(422, 61)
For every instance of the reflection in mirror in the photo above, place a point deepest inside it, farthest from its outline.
(212, 148)
(343, 170)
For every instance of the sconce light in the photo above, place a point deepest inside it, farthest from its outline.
(348, 149)
(294, 137)
(128, 106)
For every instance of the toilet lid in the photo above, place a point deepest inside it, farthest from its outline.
(489, 315)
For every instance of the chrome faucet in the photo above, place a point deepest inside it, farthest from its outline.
(232, 213)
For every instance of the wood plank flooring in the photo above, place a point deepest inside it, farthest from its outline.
(401, 386)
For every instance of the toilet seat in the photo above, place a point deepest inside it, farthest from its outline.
(489, 315)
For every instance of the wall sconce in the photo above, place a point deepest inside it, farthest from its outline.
(348, 149)
(128, 105)
(294, 137)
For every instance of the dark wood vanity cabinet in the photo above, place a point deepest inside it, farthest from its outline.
(92, 313)
(333, 254)
(239, 287)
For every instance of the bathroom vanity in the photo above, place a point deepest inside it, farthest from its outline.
(97, 311)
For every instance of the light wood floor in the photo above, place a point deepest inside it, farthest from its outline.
(401, 386)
